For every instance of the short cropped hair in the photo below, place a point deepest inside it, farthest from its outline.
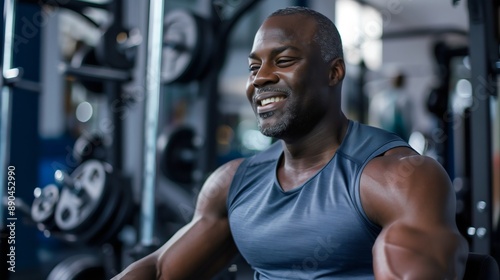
(327, 36)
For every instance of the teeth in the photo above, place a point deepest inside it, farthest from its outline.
(266, 101)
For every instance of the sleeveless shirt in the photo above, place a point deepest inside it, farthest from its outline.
(317, 230)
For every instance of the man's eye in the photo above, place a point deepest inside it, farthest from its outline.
(284, 62)
(253, 68)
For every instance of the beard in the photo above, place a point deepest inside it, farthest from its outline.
(276, 130)
(279, 129)
(292, 124)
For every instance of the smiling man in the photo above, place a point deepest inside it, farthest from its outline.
(333, 199)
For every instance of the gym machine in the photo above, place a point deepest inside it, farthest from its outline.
(484, 58)
(16, 88)
(92, 204)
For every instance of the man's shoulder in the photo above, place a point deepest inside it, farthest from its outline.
(400, 165)
(403, 179)
(362, 142)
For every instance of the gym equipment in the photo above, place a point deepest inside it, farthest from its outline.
(185, 53)
(79, 267)
(44, 206)
(6, 95)
(85, 56)
(81, 195)
(484, 56)
(91, 207)
(5, 118)
(153, 91)
(113, 57)
(178, 150)
(117, 47)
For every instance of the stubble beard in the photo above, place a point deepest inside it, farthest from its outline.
(292, 124)
(277, 130)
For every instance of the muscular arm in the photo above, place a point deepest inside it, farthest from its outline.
(203, 246)
(411, 197)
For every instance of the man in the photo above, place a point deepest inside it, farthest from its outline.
(333, 199)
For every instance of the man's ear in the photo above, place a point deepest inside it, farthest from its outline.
(337, 71)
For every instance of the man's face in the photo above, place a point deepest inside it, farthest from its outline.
(288, 80)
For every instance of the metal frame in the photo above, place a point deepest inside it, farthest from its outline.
(153, 91)
(481, 37)
(6, 96)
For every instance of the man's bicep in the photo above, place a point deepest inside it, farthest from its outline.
(420, 238)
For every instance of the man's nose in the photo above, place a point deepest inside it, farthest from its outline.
(265, 76)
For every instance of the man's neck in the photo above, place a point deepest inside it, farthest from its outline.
(314, 150)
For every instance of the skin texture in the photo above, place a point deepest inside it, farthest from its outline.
(409, 195)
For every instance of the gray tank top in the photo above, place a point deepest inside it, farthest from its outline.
(317, 230)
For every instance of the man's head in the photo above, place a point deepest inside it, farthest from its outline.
(326, 36)
(296, 71)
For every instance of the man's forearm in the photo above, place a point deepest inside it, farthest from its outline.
(401, 252)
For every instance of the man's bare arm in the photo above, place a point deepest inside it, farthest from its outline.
(203, 246)
(411, 197)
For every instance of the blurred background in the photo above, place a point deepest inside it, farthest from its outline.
(115, 111)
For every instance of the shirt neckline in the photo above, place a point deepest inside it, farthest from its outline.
(299, 188)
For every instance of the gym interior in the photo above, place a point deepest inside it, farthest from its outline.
(111, 121)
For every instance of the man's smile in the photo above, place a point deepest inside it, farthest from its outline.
(270, 104)
(269, 99)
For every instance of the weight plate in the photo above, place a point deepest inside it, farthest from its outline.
(179, 155)
(120, 216)
(78, 204)
(108, 51)
(43, 207)
(106, 215)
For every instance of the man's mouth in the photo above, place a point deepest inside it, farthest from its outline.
(270, 104)
(270, 100)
